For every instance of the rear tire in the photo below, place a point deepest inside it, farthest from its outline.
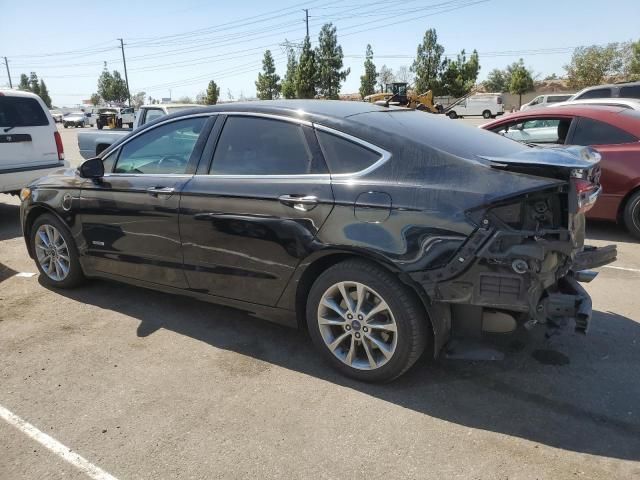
(632, 215)
(486, 114)
(55, 253)
(375, 337)
(452, 115)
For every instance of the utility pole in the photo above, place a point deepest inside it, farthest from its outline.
(306, 19)
(6, 63)
(126, 77)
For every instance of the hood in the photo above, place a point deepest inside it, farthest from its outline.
(63, 177)
(564, 157)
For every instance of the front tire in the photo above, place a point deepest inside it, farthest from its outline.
(365, 322)
(631, 215)
(55, 253)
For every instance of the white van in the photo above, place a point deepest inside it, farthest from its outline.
(546, 100)
(488, 105)
(30, 145)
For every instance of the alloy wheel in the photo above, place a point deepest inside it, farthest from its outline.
(52, 252)
(357, 325)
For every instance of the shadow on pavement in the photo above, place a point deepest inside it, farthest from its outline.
(588, 402)
(608, 231)
(9, 221)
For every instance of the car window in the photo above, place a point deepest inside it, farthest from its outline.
(109, 161)
(536, 101)
(557, 98)
(631, 91)
(594, 132)
(539, 130)
(344, 156)
(162, 150)
(152, 114)
(261, 146)
(596, 93)
(21, 112)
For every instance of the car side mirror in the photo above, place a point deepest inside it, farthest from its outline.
(92, 168)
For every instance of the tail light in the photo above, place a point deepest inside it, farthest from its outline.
(59, 146)
(499, 100)
(587, 189)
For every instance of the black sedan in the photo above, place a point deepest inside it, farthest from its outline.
(386, 232)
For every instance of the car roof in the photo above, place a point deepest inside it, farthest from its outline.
(17, 93)
(314, 109)
(610, 101)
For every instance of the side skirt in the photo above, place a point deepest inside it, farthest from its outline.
(272, 314)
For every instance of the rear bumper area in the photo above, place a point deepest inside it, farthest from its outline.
(17, 178)
(534, 280)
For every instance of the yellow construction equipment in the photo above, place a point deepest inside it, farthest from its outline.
(398, 94)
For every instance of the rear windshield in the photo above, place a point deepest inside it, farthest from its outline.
(438, 131)
(21, 112)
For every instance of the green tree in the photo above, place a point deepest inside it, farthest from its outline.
(428, 63)
(268, 84)
(306, 73)
(329, 59)
(137, 100)
(95, 99)
(459, 76)
(592, 65)
(368, 80)
(496, 81)
(34, 85)
(44, 94)
(289, 81)
(385, 75)
(521, 81)
(24, 83)
(213, 93)
(634, 61)
(551, 77)
(112, 87)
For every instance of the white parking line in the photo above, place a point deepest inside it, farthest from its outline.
(55, 446)
(25, 274)
(626, 269)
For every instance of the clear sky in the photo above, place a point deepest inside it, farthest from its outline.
(181, 45)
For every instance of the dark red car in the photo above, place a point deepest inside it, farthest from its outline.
(613, 131)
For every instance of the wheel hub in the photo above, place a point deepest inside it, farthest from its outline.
(357, 325)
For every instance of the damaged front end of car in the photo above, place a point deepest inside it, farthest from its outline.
(523, 263)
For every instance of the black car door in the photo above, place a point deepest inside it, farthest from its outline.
(250, 215)
(129, 219)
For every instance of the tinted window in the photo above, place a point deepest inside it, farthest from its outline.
(597, 93)
(632, 91)
(109, 161)
(557, 98)
(537, 131)
(152, 114)
(260, 146)
(21, 112)
(344, 156)
(593, 132)
(161, 150)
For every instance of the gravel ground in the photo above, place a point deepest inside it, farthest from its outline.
(147, 385)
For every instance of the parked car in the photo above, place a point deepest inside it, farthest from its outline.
(311, 213)
(613, 131)
(56, 115)
(74, 119)
(487, 105)
(30, 145)
(91, 144)
(632, 103)
(546, 100)
(616, 90)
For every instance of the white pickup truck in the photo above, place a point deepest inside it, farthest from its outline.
(30, 145)
(93, 142)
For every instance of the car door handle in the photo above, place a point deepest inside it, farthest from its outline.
(155, 191)
(299, 202)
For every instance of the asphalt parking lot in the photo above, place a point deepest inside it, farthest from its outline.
(146, 385)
